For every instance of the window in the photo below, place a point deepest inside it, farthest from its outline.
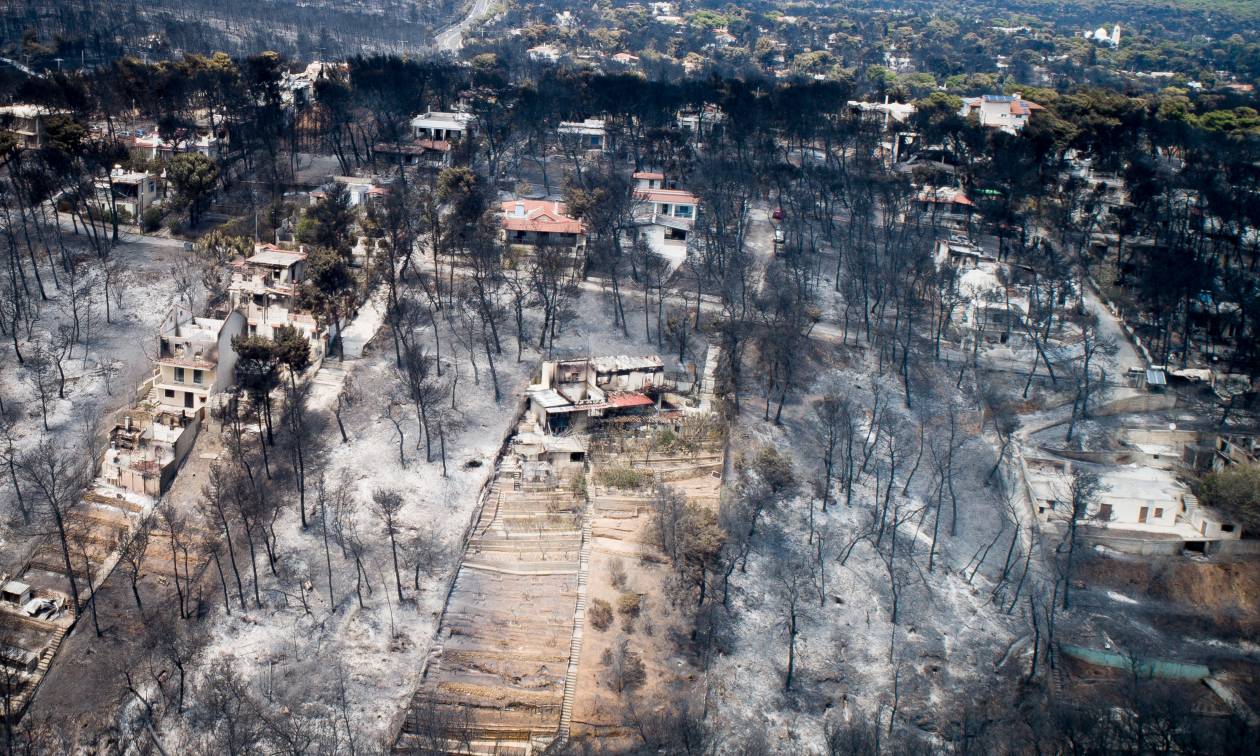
(1104, 512)
(675, 234)
(682, 211)
(179, 375)
(1227, 528)
(1159, 512)
(168, 393)
(577, 456)
(197, 376)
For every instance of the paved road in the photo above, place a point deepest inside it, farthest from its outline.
(452, 38)
(69, 225)
(1127, 354)
(24, 69)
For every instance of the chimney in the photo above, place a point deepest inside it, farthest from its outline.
(127, 421)
(520, 209)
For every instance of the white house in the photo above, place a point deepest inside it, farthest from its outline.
(644, 180)
(440, 126)
(544, 53)
(669, 203)
(1007, 112)
(590, 134)
(666, 217)
(154, 146)
(26, 122)
(133, 191)
(1136, 501)
(264, 287)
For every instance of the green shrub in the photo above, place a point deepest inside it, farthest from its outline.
(151, 219)
(622, 477)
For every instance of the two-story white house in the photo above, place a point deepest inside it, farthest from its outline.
(133, 191)
(665, 217)
(1007, 112)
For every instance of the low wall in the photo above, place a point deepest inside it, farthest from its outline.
(1136, 404)
(183, 445)
(1168, 547)
(1236, 546)
(1135, 546)
(1095, 457)
(1144, 667)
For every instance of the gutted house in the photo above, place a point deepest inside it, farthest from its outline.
(432, 153)
(146, 447)
(195, 359)
(568, 392)
(265, 288)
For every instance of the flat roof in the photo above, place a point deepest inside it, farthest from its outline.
(590, 127)
(279, 258)
(667, 195)
(438, 119)
(27, 111)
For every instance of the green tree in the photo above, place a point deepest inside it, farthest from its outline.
(258, 372)
(327, 223)
(328, 288)
(193, 176)
(293, 351)
(1235, 491)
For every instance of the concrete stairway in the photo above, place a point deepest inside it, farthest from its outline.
(579, 623)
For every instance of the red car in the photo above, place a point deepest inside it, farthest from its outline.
(777, 214)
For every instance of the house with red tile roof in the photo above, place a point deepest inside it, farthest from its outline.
(531, 223)
(1007, 112)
